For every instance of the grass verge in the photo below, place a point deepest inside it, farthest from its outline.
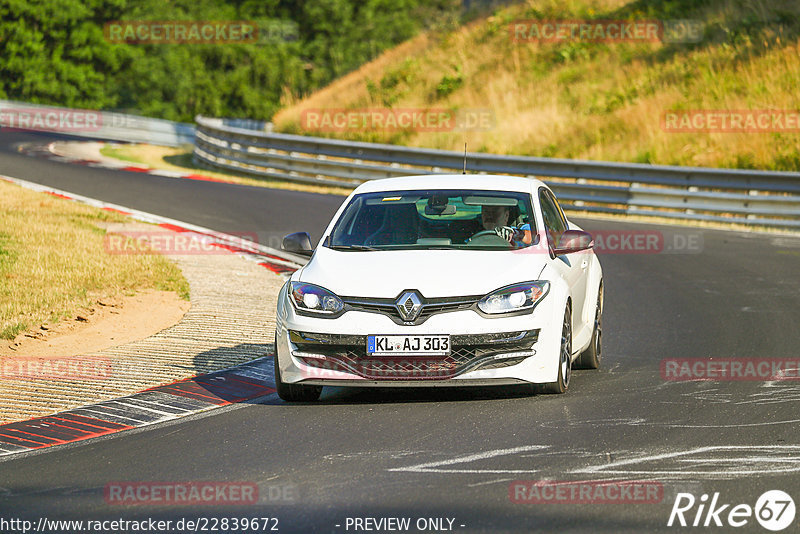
(53, 261)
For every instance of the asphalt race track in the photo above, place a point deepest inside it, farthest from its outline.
(453, 453)
(234, 209)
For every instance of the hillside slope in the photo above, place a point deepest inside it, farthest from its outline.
(590, 100)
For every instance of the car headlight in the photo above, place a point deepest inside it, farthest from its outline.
(314, 299)
(513, 298)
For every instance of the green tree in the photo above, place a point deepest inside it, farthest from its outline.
(55, 52)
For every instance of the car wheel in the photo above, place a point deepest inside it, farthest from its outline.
(590, 358)
(564, 362)
(293, 392)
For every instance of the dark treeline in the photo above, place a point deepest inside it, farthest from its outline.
(55, 52)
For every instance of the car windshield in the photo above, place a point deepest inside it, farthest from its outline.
(436, 219)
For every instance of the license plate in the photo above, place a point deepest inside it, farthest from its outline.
(438, 345)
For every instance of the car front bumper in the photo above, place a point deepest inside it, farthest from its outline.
(485, 351)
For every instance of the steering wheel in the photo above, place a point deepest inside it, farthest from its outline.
(485, 237)
(483, 233)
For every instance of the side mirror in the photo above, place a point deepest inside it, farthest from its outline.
(573, 241)
(298, 243)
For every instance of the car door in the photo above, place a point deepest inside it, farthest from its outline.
(571, 267)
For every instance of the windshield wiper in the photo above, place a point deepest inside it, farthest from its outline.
(352, 247)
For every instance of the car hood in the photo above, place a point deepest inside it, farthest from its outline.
(434, 273)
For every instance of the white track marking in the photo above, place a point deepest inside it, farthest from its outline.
(738, 425)
(620, 421)
(168, 174)
(436, 467)
(710, 462)
(489, 482)
(757, 464)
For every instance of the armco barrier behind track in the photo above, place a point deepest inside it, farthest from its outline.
(689, 193)
(94, 124)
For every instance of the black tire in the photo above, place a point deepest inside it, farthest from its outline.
(564, 359)
(293, 392)
(590, 358)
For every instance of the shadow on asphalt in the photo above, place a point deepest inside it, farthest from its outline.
(337, 396)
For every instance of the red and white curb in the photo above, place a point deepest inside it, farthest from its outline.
(276, 261)
(48, 151)
(162, 403)
(242, 383)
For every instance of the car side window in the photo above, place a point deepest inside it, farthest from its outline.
(553, 218)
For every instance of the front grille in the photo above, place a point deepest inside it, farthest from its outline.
(333, 352)
(429, 307)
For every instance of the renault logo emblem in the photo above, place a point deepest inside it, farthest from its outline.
(409, 305)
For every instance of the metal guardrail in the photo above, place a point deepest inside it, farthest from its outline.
(95, 124)
(691, 193)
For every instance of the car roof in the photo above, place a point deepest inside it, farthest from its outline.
(486, 182)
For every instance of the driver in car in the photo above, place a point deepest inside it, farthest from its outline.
(496, 218)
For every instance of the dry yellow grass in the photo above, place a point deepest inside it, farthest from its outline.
(53, 262)
(591, 100)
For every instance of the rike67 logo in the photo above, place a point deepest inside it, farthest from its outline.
(774, 510)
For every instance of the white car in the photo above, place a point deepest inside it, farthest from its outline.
(445, 280)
